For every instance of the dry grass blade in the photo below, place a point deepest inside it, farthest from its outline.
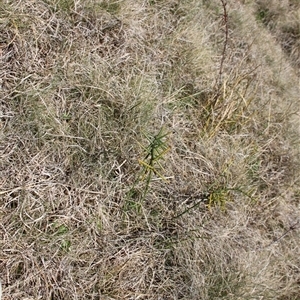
(206, 206)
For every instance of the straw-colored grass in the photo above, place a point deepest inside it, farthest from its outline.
(149, 149)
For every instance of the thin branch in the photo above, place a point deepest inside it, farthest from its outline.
(292, 227)
(223, 56)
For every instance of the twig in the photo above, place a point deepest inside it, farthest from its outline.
(223, 56)
(292, 227)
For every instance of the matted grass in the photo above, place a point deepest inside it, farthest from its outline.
(139, 160)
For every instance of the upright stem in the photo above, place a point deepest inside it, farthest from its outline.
(223, 56)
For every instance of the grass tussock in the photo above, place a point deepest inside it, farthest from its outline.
(149, 149)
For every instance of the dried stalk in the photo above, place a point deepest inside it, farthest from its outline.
(218, 85)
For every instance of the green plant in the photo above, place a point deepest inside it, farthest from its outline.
(216, 197)
(262, 15)
(61, 231)
(219, 198)
(109, 6)
(151, 165)
(65, 5)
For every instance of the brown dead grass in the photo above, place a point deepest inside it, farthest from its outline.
(83, 84)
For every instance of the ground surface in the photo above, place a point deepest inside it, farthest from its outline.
(149, 149)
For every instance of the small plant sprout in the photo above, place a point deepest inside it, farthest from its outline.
(151, 165)
(154, 153)
(218, 198)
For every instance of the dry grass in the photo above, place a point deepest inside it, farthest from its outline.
(93, 206)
